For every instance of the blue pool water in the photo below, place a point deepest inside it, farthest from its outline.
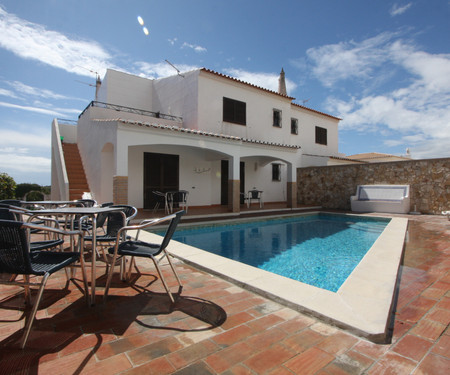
(320, 249)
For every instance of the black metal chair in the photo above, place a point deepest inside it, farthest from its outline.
(137, 248)
(44, 244)
(255, 195)
(161, 199)
(17, 259)
(179, 199)
(87, 202)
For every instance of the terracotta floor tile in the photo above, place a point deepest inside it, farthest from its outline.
(412, 347)
(225, 359)
(439, 315)
(159, 366)
(433, 364)
(303, 340)
(236, 319)
(263, 323)
(297, 324)
(309, 362)
(152, 351)
(138, 332)
(349, 363)
(411, 314)
(442, 347)
(338, 343)
(266, 338)
(233, 336)
(269, 358)
(370, 349)
(428, 329)
(192, 353)
(392, 364)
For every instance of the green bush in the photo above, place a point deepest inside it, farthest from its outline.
(23, 189)
(7, 186)
(34, 196)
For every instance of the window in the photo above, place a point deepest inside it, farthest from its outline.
(234, 111)
(277, 118)
(276, 172)
(294, 126)
(321, 136)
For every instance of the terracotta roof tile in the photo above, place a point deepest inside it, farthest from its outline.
(197, 132)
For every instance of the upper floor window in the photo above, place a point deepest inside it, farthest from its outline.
(321, 135)
(277, 118)
(294, 126)
(234, 111)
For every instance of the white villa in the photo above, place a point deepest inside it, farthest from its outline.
(201, 131)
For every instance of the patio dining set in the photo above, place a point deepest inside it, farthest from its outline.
(38, 239)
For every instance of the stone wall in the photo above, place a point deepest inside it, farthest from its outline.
(332, 186)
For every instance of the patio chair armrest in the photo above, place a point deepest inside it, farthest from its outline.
(53, 230)
(143, 224)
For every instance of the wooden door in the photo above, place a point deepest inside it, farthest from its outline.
(161, 173)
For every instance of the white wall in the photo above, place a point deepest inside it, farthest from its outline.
(127, 90)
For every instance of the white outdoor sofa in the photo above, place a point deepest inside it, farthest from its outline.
(381, 198)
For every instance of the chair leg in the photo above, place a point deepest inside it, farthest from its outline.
(167, 255)
(163, 280)
(33, 311)
(26, 288)
(108, 280)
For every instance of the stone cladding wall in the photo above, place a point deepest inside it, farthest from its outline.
(332, 186)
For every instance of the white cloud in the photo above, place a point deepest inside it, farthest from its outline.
(419, 110)
(266, 80)
(346, 60)
(43, 111)
(196, 48)
(22, 141)
(396, 9)
(21, 154)
(8, 93)
(33, 41)
(34, 91)
(13, 162)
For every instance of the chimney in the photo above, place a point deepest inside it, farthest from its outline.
(282, 84)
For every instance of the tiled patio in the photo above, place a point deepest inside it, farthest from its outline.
(218, 328)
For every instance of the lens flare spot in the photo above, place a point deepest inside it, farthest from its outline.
(140, 20)
(145, 30)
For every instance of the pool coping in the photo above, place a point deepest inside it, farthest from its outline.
(362, 305)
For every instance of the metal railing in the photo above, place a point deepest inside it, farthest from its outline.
(137, 111)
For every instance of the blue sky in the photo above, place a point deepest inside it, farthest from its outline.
(381, 66)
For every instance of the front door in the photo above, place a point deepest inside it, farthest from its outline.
(224, 182)
(160, 174)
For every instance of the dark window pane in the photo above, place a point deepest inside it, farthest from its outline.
(234, 111)
(321, 135)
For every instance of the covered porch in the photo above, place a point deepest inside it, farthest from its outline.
(215, 169)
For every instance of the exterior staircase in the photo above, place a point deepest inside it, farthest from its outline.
(75, 171)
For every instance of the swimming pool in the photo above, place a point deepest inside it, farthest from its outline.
(363, 303)
(319, 249)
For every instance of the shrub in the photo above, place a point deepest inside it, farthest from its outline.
(34, 196)
(23, 189)
(7, 186)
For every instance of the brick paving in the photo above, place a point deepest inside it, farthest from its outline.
(216, 327)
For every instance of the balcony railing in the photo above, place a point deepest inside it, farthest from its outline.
(137, 111)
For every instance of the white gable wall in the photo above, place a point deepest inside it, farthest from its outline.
(127, 90)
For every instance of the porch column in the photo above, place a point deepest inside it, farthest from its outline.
(120, 179)
(291, 187)
(120, 189)
(233, 184)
